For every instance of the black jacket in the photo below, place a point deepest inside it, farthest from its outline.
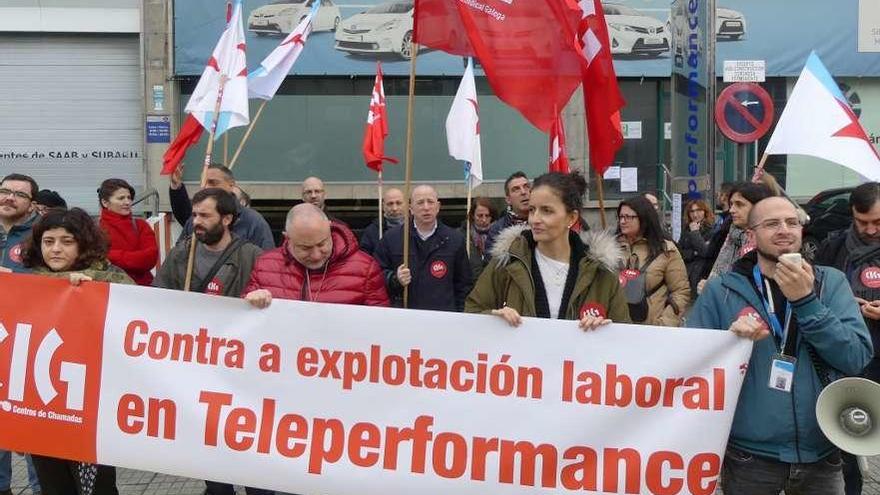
(250, 225)
(694, 248)
(369, 241)
(508, 219)
(833, 252)
(441, 273)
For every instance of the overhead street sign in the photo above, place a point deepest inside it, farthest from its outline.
(744, 112)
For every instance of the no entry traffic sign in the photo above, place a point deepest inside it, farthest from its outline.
(744, 112)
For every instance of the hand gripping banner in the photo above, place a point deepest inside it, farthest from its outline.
(317, 398)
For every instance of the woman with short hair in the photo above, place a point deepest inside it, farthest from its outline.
(133, 245)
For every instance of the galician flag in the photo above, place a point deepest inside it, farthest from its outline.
(264, 82)
(463, 127)
(818, 121)
(227, 63)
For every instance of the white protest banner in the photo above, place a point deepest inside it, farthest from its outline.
(316, 398)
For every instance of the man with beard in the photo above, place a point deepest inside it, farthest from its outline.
(313, 192)
(17, 216)
(223, 261)
(807, 331)
(438, 273)
(222, 266)
(856, 252)
(392, 207)
(517, 190)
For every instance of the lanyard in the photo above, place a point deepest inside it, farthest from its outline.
(778, 329)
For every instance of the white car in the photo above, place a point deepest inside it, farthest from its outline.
(385, 28)
(282, 16)
(634, 33)
(729, 24)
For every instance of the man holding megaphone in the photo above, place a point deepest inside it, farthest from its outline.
(808, 330)
(856, 252)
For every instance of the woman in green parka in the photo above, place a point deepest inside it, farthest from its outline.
(69, 244)
(546, 270)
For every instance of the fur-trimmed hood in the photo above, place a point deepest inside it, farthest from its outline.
(601, 246)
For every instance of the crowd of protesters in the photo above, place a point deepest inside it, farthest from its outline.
(539, 258)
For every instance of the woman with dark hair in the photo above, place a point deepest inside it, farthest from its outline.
(481, 215)
(693, 244)
(653, 273)
(133, 245)
(69, 244)
(544, 269)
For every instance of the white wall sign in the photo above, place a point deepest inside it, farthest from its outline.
(744, 71)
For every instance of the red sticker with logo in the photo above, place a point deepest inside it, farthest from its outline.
(593, 309)
(215, 287)
(871, 277)
(627, 275)
(439, 269)
(752, 312)
(15, 253)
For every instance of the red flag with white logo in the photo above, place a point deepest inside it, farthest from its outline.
(558, 155)
(602, 96)
(377, 127)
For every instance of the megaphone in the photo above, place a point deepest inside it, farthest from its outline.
(848, 412)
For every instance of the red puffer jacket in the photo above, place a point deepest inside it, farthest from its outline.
(133, 245)
(352, 277)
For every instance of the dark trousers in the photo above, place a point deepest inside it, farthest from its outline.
(747, 474)
(59, 477)
(217, 488)
(852, 476)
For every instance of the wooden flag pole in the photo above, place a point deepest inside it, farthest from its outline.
(226, 149)
(409, 153)
(379, 183)
(467, 224)
(759, 170)
(247, 134)
(601, 190)
(192, 244)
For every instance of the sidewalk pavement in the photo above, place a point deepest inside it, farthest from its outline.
(131, 482)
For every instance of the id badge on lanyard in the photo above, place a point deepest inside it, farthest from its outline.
(782, 366)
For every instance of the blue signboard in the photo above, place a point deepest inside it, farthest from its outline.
(350, 37)
(158, 129)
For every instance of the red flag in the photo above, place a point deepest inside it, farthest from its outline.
(377, 127)
(189, 134)
(526, 48)
(602, 96)
(558, 156)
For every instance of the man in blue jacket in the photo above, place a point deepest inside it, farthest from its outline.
(808, 331)
(439, 273)
(17, 216)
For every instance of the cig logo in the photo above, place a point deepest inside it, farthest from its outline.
(72, 374)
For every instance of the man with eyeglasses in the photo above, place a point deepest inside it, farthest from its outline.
(856, 252)
(17, 216)
(807, 331)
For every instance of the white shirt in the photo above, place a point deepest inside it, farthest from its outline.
(425, 235)
(553, 273)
